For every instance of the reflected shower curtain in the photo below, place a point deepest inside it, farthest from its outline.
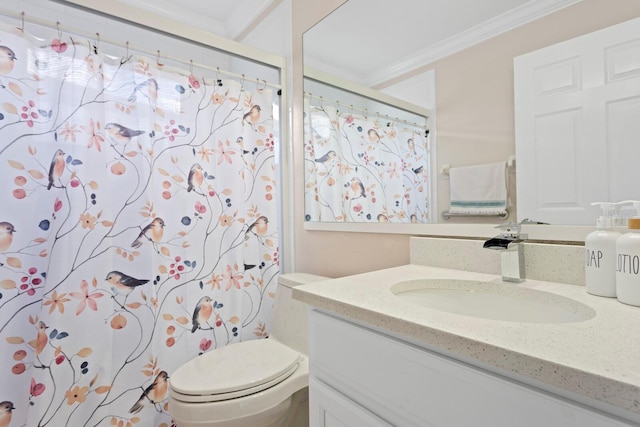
(363, 169)
(137, 229)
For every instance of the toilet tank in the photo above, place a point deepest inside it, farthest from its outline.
(290, 317)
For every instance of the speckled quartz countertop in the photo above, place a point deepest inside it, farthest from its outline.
(596, 361)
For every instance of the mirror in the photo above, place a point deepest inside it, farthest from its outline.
(464, 63)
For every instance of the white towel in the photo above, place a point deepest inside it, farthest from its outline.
(479, 190)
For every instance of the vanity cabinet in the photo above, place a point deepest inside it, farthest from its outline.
(362, 377)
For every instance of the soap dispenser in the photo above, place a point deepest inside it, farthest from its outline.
(600, 254)
(628, 261)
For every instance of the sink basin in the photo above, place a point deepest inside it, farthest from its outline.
(489, 300)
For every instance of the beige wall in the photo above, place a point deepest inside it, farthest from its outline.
(474, 107)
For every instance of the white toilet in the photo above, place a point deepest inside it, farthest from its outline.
(252, 383)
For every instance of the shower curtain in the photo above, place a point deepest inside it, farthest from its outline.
(364, 169)
(138, 228)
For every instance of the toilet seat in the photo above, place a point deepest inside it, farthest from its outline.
(234, 371)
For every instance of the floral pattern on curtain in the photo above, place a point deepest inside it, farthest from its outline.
(364, 169)
(138, 229)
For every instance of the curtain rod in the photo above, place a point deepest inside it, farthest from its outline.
(327, 79)
(365, 111)
(58, 26)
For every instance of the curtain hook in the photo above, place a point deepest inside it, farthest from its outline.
(126, 56)
(22, 20)
(59, 31)
(366, 113)
(191, 66)
(158, 58)
(218, 80)
(337, 106)
(242, 84)
(258, 84)
(97, 47)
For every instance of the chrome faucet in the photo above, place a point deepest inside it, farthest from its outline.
(509, 243)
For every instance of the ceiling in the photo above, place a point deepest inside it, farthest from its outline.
(368, 41)
(229, 18)
(373, 41)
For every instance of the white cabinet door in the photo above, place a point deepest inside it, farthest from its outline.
(577, 110)
(328, 408)
(361, 377)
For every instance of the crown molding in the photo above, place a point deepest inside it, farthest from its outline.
(247, 16)
(166, 9)
(534, 9)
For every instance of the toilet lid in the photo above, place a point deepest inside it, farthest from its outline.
(247, 366)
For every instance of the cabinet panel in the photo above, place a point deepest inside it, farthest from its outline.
(410, 386)
(328, 408)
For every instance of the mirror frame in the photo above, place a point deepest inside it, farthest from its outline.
(570, 234)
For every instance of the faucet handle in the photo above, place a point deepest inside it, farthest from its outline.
(509, 229)
(512, 229)
(532, 221)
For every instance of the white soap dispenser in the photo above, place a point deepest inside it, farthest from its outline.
(616, 216)
(600, 254)
(628, 261)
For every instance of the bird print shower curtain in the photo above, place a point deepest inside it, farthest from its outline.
(137, 229)
(364, 169)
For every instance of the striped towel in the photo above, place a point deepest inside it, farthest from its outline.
(479, 190)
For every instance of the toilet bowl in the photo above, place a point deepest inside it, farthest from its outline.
(251, 383)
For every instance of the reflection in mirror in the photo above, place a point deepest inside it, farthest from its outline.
(365, 161)
(468, 57)
(577, 105)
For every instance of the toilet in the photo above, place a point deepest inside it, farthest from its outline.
(251, 383)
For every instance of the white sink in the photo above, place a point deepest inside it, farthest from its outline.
(490, 300)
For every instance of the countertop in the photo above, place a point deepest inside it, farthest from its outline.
(598, 359)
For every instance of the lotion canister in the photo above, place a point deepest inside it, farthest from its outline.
(628, 264)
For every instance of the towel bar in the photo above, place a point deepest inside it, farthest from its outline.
(445, 168)
(447, 215)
